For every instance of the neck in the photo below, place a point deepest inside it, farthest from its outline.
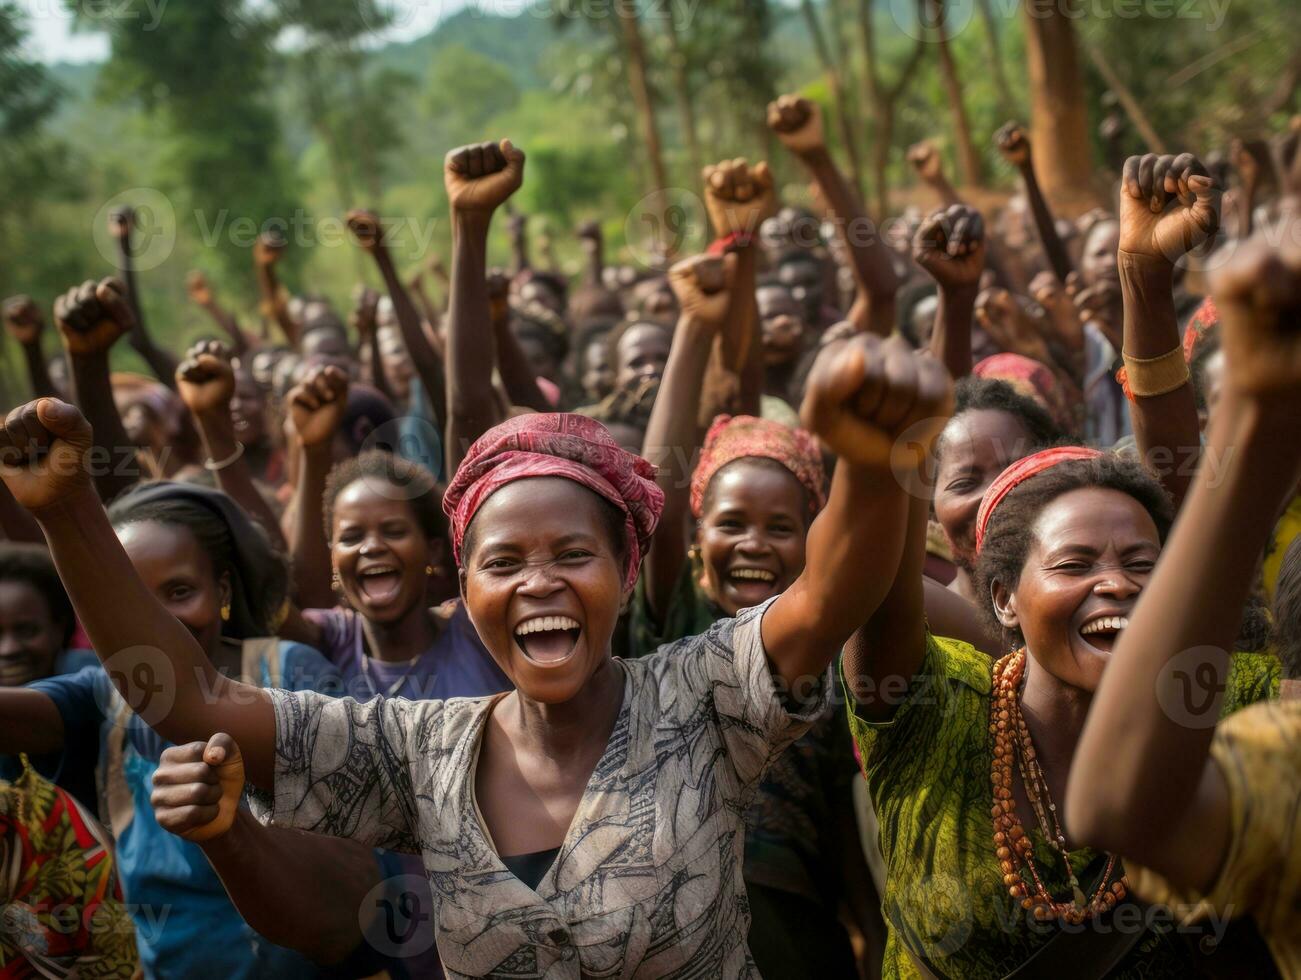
(403, 638)
(1054, 712)
(577, 727)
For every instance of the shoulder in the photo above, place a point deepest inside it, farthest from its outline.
(71, 661)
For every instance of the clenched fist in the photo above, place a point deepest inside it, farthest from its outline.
(738, 197)
(268, 248)
(43, 448)
(1168, 206)
(205, 379)
(797, 123)
(365, 228)
(925, 159)
(480, 177)
(1013, 144)
(950, 245)
(317, 404)
(23, 320)
(196, 284)
(877, 404)
(197, 788)
(91, 317)
(702, 285)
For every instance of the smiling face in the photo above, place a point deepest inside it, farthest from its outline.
(543, 584)
(976, 446)
(30, 638)
(598, 374)
(175, 568)
(379, 550)
(642, 352)
(1098, 260)
(1092, 553)
(752, 533)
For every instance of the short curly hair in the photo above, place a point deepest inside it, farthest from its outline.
(32, 565)
(974, 394)
(410, 481)
(1009, 534)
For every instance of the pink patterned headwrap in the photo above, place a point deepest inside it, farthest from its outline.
(1030, 378)
(572, 447)
(1018, 473)
(732, 438)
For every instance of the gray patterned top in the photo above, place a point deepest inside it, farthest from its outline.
(647, 882)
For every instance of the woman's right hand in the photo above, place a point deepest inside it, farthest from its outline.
(206, 380)
(197, 788)
(316, 405)
(92, 316)
(43, 453)
(703, 287)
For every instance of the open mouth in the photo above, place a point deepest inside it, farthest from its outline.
(1102, 633)
(380, 584)
(548, 640)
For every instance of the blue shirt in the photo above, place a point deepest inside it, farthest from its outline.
(185, 923)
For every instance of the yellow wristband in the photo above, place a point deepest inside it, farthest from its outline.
(1152, 376)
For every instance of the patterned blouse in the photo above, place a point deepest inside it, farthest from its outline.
(647, 882)
(927, 769)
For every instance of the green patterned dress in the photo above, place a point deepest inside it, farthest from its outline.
(928, 773)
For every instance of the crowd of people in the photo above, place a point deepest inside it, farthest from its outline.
(846, 601)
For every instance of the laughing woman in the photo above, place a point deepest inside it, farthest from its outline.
(589, 822)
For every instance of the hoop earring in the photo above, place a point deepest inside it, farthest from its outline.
(225, 612)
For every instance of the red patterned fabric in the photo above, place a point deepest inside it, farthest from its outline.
(1030, 378)
(1018, 473)
(735, 437)
(560, 445)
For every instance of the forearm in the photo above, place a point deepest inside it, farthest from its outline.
(671, 443)
(869, 255)
(307, 544)
(471, 409)
(1054, 248)
(951, 338)
(15, 522)
(240, 342)
(945, 190)
(374, 367)
(152, 659)
(428, 365)
(741, 349)
(1180, 634)
(273, 306)
(299, 890)
(234, 479)
(1165, 426)
(92, 392)
(516, 375)
(29, 722)
(38, 373)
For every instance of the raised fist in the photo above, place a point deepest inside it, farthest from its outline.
(365, 308)
(1013, 143)
(205, 379)
(950, 245)
(43, 448)
(197, 788)
(1049, 292)
(738, 197)
(925, 159)
(1168, 206)
(365, 228)
(797, 123)
(317, 404)
(196, 284)
(1258, 292)
(91, 317)
(480, 177)
(268, 248)
(589, 235)
(498, 281)
(875, 403)
(703, 287)
(120, 221)
(1001, 315)
(23, 320)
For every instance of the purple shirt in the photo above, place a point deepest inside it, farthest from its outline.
(456, 666)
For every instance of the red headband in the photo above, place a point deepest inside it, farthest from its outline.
(736, 437)
(1018, 473)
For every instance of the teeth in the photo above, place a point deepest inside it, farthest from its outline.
(379, 570)
(543, 624)
(759, 574)
(1116, 623)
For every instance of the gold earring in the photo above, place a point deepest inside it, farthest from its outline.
(429, 569)
(225, 612)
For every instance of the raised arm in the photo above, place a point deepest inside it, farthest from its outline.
(303, 891)
(316, 407)
(1154, 795)
(90, 319)
(878, 407)
(120, 225)
(702, 287)
(364, 320)
(1168, 206)
(206, 382)
(798, 124)
(479, 179)
(196, 284)
(1013, 143)
(154, 662)
(366, 229)
(950, 246)
(925, 160)
(25, 324)
(266, 253)
(516, 376)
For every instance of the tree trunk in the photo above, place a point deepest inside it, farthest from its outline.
(1006, 104)
(1059, 126)
(639, 84)
(837, 91)
(968, 158)
(682, 90)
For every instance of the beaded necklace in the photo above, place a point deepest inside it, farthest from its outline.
(1012, 844)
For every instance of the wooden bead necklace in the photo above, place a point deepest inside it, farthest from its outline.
(1012, 844)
